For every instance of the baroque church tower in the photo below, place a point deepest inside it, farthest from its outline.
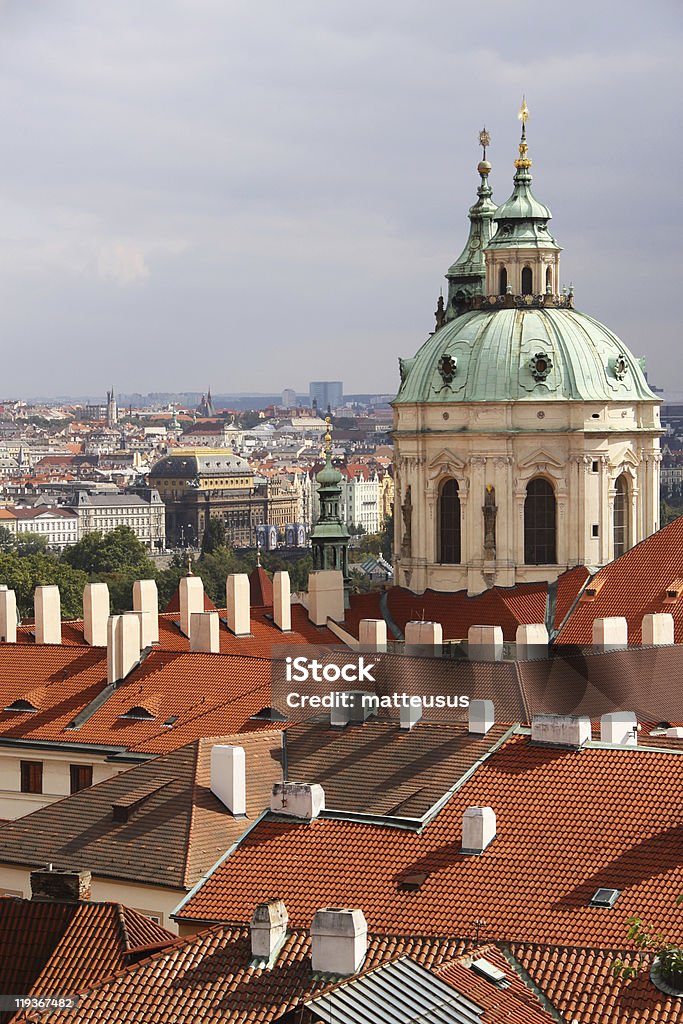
(526, 436)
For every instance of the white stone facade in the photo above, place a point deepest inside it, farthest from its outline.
(581, 449)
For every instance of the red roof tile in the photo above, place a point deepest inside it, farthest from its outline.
(633, 586)
(568, 823)
(260, 587)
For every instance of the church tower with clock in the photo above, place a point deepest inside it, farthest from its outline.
(526, 436)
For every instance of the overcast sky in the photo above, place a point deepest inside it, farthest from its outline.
(253, 195)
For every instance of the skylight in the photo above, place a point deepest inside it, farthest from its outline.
(605, 898)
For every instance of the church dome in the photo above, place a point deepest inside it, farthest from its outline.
(518, 354)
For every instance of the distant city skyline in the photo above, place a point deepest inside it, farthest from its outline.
(233, 195)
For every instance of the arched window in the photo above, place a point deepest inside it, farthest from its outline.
(502, 281)
(527, 281)
(549, 280)
(449, 523)
(621, 531)
(540, 516)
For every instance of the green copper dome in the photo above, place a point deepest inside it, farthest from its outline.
(515, 354)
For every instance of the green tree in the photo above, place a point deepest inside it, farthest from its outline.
(23, 573)
(214, 536)
(117, 559)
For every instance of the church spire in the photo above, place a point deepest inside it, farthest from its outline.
(330, 537)
(467, 276)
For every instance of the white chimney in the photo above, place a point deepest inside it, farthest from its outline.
(561, 730)
(485, 643)
(325, 596)
(95, 614)
(191, 600)
(610, 634)
(478, 829)
(282, 601)
(481, 716)
(123, 645)
(229, 777)
(339, 940)
(146, 599)
(531, 641)
(372, 633)
(411, 714)
(297, 799)
(619, 727)
(658, 630)
(423, 634)
(149, 628)
(8, 615)
(238, 604)
(204, 633)
(268, 927)
(48, 615)
(351, 706)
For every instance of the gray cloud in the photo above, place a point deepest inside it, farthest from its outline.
(255, 195)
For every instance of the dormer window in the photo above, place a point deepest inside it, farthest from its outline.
(21, 706)
(138, 714)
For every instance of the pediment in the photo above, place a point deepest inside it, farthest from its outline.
(541, 457)
(446, 462)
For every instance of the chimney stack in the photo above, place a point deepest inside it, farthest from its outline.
(282, 601)
(478, 829)
(423, 637)
(191, 591)
(619, 727)
(229, 777)
(485, 643)
(95, 614)
(658, 630)
(268, 927)
(610, 634)
(238, 601)
(48, 615)
(325, 596)
(339, 940)
(297, 799)
(123, 645)
(532, 642)
(411, 715)
(146, 599)
(8, 615)
(204, 634)
(561, 730)
(482, 716)
(60, 886)
(351, 706)
(372, 633)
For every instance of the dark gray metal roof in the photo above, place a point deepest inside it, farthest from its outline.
(400, 992)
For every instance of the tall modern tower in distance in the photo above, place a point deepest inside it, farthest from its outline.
(327, 394)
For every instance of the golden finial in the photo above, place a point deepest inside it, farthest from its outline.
(258, 554)
(189, 565)
(523, 162)
(484, 140)
(328, 438)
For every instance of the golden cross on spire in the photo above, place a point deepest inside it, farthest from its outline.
(484, 140)
(523, 162)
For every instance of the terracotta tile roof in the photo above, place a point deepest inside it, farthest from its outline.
(568, 823)
(67, 678)
(380, 769)
(580, 985)
(638, 680)
(52, 947)
(173, 605)
(633, 586)
(177, 828)
(569, 586)
(260, 587)
(516, 1004)
(207, 977)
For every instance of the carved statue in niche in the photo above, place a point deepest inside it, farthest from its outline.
(407, 513)
(490, 511)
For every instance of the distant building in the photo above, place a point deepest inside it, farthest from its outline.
(326, 394)
(142, 512)
(288, 398)
(59, 526)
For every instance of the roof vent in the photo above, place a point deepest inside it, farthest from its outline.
(592, 590)
(489, 971)
(605, 898)
(673, 591)
(412, 883)
(20, 706)
(138, 714)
